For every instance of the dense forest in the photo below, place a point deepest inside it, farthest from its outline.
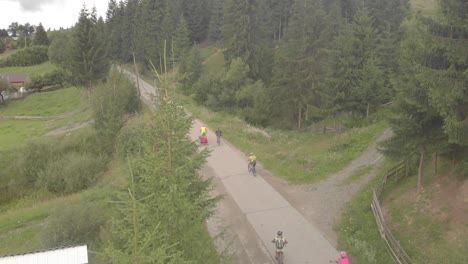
(290, 63)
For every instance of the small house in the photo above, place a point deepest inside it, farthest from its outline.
(15, 79)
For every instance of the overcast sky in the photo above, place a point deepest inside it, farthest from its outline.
(52, 14)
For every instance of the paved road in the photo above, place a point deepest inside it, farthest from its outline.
(264, 208)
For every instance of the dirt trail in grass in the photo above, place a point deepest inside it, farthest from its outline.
(322, 203)
(44, 118)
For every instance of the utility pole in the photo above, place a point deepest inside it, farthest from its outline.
(137, 74)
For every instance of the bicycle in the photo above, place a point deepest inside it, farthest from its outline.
(251, 168)
(218, 139)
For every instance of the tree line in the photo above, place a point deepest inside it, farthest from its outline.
(290, 63)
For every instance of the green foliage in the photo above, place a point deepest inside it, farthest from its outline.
(87, 60)
(32, 160)
(110, 101)
(299, 62)
(197, 16)
(216, 20)
(357, 230)
(190, 69)
(181, 41)
(356, 79)
(163, 170)
(58, 49)
(46, 104)
(2, 46)
(26, 57)
(57, 77)
(71, 172)
(79, 222)
(40, 38)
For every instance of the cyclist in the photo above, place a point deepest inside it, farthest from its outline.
(252, 161)
(343, 258)
(219, 134)
(280, 242)
(203, 130)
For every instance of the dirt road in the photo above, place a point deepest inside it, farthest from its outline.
(254, 210)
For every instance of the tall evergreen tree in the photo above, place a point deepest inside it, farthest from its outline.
(150, 33)
(355, 81)
(444, 70)
(88, 60)
(216, 20)
(169, 201)
(299, 62)
(197, 17)
(181, 39)
(41, 36)
(416, 124)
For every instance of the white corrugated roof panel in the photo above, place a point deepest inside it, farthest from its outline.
(69, 255)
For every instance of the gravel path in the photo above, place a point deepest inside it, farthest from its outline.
(321, 203)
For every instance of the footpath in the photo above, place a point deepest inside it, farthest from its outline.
(264, 211)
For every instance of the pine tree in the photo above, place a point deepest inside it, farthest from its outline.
(150, 32)
(237, 30)
(299, 61)
(355, 80)
(443, 71)
(88, 60)
(216, 20)
(181, 39)
(197, 17)
(41, 36)
(169, 201)
(416, 124)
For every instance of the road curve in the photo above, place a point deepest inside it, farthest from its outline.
(264, 208)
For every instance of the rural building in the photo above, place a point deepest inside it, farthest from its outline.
(66, 255)
(15, 79)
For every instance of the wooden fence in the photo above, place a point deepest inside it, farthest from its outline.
(393, 245)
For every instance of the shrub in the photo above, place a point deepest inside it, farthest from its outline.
(72, 172)
(26, 57)
(56, 77)
(75, 223)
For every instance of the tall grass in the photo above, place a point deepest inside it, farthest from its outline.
(357, 231)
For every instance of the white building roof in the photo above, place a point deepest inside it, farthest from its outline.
(69, 255)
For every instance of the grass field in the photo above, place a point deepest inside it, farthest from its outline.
(45, 103)
(16, 132)
(31, 70)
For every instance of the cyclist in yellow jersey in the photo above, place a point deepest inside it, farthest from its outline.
(252, 160)
(203, 130)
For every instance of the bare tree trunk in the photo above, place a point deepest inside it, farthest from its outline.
(299, 118)
(367, 110)
(422, 162)
(435, 163)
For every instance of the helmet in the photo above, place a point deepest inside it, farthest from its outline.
(343, 254)
(280, 233)
(251, 153)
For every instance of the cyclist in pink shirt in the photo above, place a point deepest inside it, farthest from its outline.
(343, 258)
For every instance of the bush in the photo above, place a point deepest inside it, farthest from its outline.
(26, 57)
(56, 77)
(76, 223)
(72, 172)
(33, 158)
